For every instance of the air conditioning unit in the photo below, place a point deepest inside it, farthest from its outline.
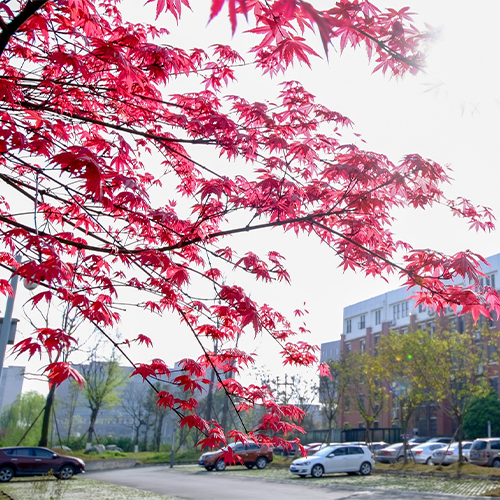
(392, 323)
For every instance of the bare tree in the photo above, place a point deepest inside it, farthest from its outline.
(136, 406)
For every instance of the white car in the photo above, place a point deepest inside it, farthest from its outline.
(451, 453)
(422, 454)
(339, 458)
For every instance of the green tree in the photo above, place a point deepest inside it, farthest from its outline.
(479, 412)
(331, 391)
(406, 361)
(459, 375)
(21, 423)
(102, 381)
(365, 387)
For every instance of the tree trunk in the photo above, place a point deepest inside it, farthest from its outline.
(93, 418)
(44, 437)
(158, 429)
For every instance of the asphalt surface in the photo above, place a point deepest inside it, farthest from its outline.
(201, 485)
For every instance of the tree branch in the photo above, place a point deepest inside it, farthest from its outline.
(8, 31)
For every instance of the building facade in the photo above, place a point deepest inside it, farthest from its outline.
(11, 385)
(365, 322)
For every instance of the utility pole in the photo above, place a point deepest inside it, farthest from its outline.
(285, 383)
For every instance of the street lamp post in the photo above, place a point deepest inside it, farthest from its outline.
(7, 319)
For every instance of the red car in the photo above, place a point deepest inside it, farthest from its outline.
(35, 461)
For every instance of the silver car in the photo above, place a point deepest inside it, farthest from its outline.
(422, 453)
(394, 453)
(449, 455)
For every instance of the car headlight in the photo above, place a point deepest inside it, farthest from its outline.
(303, 463)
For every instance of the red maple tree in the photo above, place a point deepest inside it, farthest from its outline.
(84, 106)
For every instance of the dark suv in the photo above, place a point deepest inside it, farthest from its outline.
(251, 454)
(35, 461)
(486, 452)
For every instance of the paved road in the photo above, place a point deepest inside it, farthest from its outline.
(202, 485)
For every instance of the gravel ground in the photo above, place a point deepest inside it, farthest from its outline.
(402, 481)
(76, 489)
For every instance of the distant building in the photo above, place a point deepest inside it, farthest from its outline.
(330, 351)
(135, 401)
(366, 321)
(11, 385)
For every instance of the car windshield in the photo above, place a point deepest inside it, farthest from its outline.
(324, 451)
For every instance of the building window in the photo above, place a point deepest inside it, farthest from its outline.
(433, 426)
(362, 400)
(492, 354)
(396, 311)
(378, 317)
(421, 308)
(362, 322)
(362, 345)
(347, 405)
(361, 425)
(405, 308)
(375, 424)
(348, 326)
(348, 347)
(494, 384)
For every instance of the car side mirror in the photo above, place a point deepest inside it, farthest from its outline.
(55, 455)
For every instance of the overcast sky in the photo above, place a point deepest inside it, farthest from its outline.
(449, 114)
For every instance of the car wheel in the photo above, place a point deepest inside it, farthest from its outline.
(401, 459)
(261, 462)
(428, 461)
(496, 463)
(66, 472)
(249, 466)
(365, 468)
(317, 471)
(209, 468)
(6, 474)
(220, 465)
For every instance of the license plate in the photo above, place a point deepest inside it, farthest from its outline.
(293, 469)
(475, 455)
(439, 454)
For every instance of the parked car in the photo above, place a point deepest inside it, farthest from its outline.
(374, 447)
(394, 453)
(422, 453)
(440, 440)
(286, 452)
(35, 461)
(447, 455)
(486, 452)
(312, 448)
(350, 458)
(251, 454)
(418, 439)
